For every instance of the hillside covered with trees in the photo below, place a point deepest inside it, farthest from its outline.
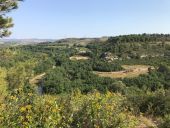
(41, 86)
(109, 82)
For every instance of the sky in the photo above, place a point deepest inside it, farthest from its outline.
(56, 19)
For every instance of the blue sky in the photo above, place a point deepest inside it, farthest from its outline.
(54, 19)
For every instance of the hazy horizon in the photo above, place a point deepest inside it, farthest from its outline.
(9, 38)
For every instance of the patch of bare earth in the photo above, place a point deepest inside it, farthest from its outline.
(129, 72)
(147, 123)
(78, 57)
(37, 78)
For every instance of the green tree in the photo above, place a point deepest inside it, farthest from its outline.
(16, 77)
(6, 22)
(3, 83)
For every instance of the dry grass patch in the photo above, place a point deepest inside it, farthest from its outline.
(37, 78)
(78, 57)
(129, 72)
(147, 122)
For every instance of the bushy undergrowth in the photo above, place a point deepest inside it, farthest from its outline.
(166, 122)
(93, 110)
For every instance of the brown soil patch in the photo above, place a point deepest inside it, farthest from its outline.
(129, 72)
(37, 78)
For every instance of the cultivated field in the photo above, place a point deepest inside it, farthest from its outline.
(129, 72)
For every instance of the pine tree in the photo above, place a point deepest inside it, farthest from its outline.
(6, 22)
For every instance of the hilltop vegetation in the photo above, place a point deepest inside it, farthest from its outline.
(70, 94)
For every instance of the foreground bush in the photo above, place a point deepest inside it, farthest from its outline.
(166, 122)
(150, 103)
(93, 110)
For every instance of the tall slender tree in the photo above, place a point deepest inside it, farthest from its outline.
(6, 6)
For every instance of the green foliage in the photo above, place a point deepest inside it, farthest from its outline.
(93, 110)
(152, 82)
(75, 75)
(56, 81)
(6, 22)
(106, 66)
(3, 82)
(44, 66)
(151, 103)
(16, 77)
(133, 46)
(116, 104)
(19, 75)
(166, 122)
(140, 38)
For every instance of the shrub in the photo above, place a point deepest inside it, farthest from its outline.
(68, 111)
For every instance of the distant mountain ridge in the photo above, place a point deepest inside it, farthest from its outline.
(25, 41)
(82, 41)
